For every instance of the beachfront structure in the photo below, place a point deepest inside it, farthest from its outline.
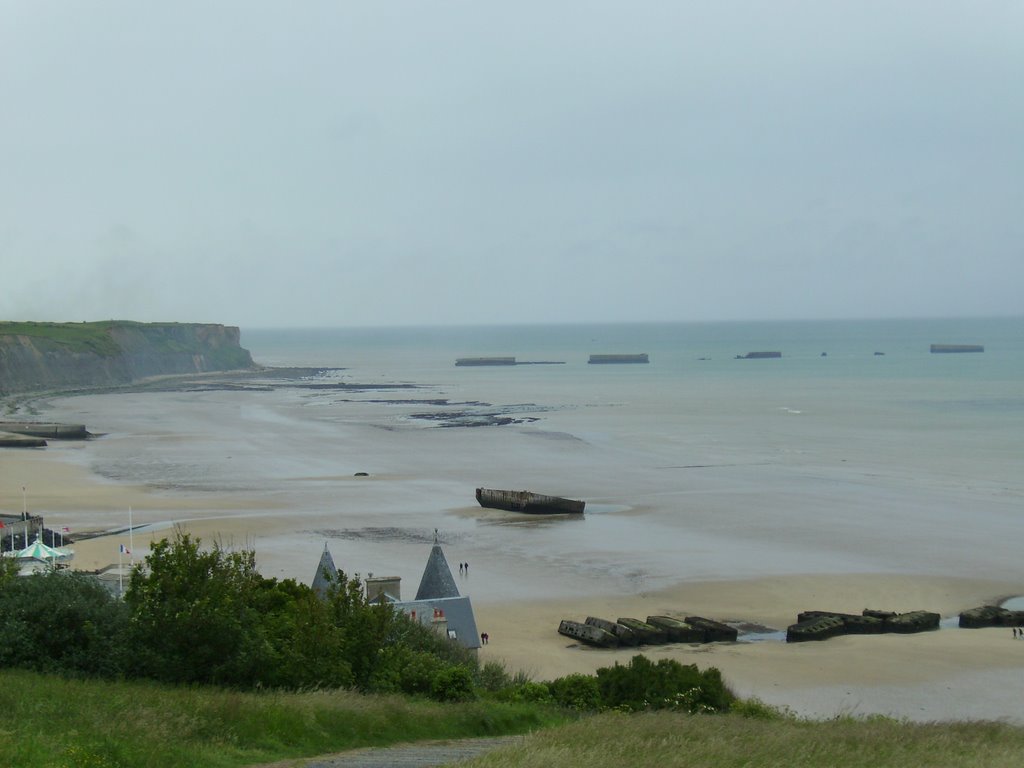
(38, 557)
(438, 603)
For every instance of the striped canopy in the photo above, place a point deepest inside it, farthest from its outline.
(37, 550)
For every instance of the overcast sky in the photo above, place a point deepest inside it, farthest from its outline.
(391, 163)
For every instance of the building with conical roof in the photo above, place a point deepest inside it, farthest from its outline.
(438, 603)
(326, 574)
(437, 580)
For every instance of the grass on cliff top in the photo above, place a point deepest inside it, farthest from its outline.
(75, 337)
(96, 337)
(671, 740)
(51, 722)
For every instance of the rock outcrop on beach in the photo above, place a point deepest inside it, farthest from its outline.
(52, 356)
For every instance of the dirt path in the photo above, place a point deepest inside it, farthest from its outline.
(418, 755)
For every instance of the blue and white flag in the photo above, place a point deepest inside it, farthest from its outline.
(125, 550)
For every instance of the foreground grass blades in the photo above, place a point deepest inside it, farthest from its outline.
(50, 722)
(671, 740)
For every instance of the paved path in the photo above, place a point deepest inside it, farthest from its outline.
(419, 755)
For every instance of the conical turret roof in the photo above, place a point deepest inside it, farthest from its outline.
(437, 578)
(326, 574)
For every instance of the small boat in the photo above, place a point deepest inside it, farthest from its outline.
(526, 501)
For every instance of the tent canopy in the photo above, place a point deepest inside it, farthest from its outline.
(37, 550)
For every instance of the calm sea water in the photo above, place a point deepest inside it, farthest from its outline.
(674, 348)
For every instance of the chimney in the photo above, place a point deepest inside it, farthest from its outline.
(378, 586)
(440, 623)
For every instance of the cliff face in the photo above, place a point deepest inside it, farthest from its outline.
(44, 356)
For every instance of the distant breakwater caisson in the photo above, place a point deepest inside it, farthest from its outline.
(945, 349)
(499, 361)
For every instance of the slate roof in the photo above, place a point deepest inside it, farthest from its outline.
(437, 581)
(457, 610)
(326, 574)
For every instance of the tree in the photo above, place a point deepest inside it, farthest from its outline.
(64, 623)
(195, 615)
(365, 627)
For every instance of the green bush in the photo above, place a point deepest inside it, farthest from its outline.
(64, 623)
(527, 691)
(452, 684)
(403, 670)
(576, 692)
(493, 676)
(643, 685)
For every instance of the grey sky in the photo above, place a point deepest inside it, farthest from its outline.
(391, 163)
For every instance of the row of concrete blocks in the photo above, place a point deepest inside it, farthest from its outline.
(657, 630)
(821, 625)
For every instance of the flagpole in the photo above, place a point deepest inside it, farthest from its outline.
(131, 539)
(120, 573)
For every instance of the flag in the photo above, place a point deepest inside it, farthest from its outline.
(125, 550)
(65, 529)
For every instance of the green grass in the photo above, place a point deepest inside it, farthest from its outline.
(74, 337)
(50, 722)
(669, 740)
(96, 337)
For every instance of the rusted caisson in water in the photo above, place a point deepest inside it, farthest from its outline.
(526, 501)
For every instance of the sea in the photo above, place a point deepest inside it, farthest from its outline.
(857, 450)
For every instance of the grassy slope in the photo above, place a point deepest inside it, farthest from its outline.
(54, 723)
(75, 337)
(668, 740)
(51, 722)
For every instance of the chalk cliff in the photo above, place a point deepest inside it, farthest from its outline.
(47, 356)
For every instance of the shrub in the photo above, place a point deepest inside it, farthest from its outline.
(403, 670)
(668, 684)
(452, 684)
(64, 623)
(528, 691)
(576, 692)
(493, 677)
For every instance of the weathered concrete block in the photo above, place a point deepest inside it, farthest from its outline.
(587, 633)
(626, 635)
(678, 631)
(647, 633)
(714, 631)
